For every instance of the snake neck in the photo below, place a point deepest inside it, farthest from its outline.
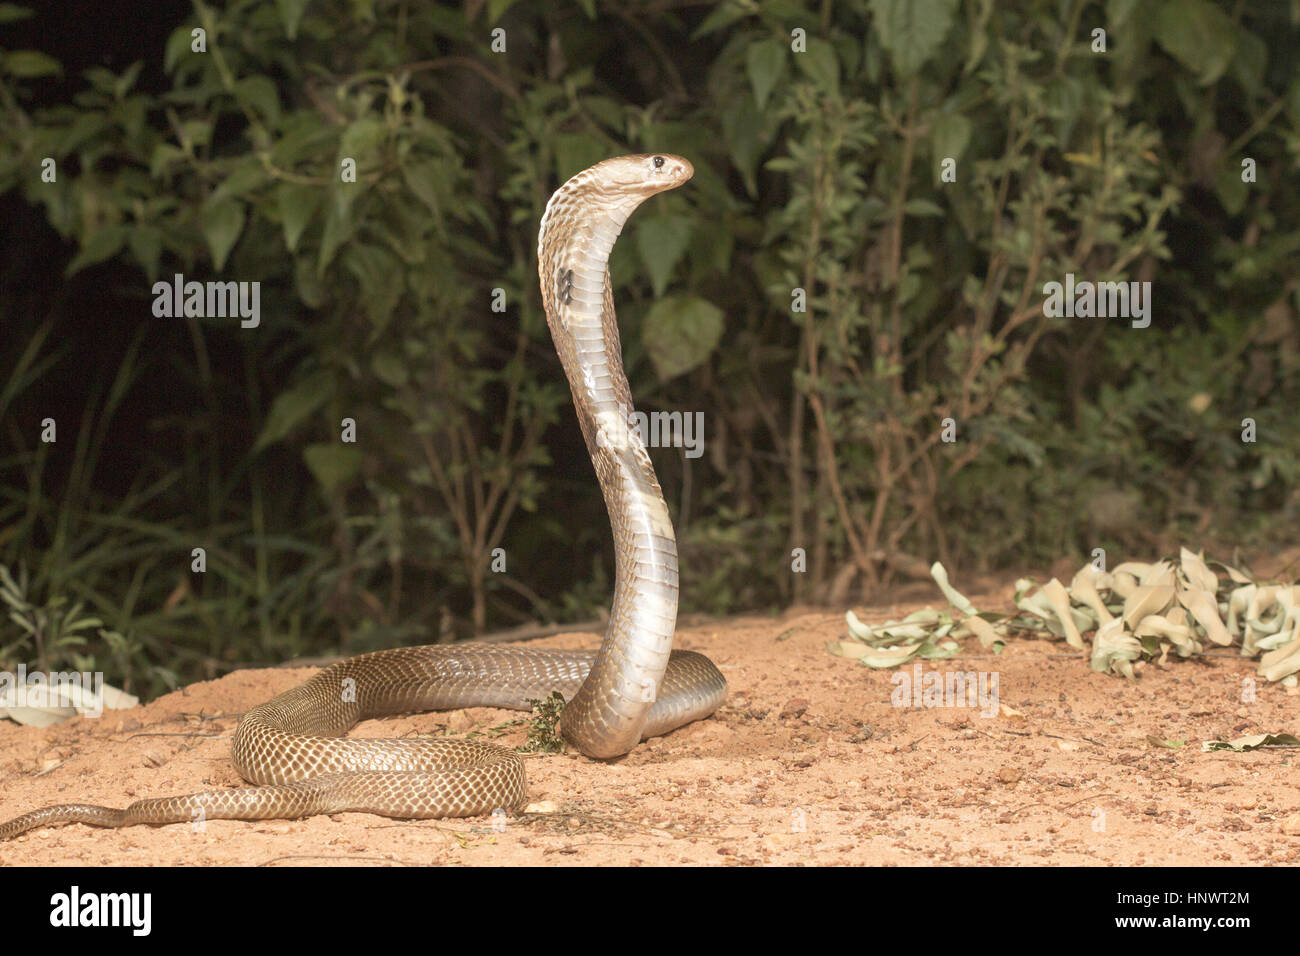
(606, 716)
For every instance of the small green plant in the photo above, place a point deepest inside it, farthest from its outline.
(543, 730)
(48, 630)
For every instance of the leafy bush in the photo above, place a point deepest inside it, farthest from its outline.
(834, 305)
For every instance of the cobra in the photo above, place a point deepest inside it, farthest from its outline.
(292, 748)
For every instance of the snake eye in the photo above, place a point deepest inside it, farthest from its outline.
(659, 162)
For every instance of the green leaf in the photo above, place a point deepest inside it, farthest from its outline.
(1249, 61)
(922, 207)
(742, 125)
(311, 290)
(426, 181)
(11, 12)
(979, 40)
(712, 242)
(293, 406)
(362, 140)
(379, 276)
(123, 84)
(332, 465)
(1232, 192)
(765, 64)
(104, 243)
(1118, 12)
(680, 333)
(1198, 35)
(222, 222)
(297, 203)
(82, 130)
(197, 132)
(101, 80)
(958, 600)
(338, 225)
(949, 135)
(821, 65)
(260, 93)
(178, 47)
(662, 240)
(723, 15)
(290, 14)
(912, 30)
(390, 369)
(244, 178)
(30, 63)
(574, 152)
(497, 7)
(303, 138)
(146, 245)
(164, 154)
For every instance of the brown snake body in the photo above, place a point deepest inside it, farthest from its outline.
(633, 687)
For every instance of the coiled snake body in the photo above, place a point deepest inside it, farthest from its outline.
(633, 687)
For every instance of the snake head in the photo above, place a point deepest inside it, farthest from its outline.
(629, 180)
(652, 173)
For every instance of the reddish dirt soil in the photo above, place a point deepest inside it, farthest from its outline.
(807, 762)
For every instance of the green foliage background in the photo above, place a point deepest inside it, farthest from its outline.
(818, 132)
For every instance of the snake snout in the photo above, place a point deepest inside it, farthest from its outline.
(679, 169)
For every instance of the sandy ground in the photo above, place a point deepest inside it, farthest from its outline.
(808, 762)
